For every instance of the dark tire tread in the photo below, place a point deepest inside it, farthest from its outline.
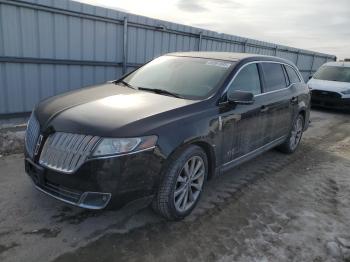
(285, 147)
(161, 203)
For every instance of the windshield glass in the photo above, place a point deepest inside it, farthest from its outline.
(333, 73)
(188, 77)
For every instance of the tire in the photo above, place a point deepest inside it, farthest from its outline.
(178, 181)
(293, 140)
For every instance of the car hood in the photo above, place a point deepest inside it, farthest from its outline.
(325, 85)
(102, 110)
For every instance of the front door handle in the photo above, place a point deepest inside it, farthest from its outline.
(264, 108)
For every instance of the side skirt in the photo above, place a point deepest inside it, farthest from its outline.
(252, 154)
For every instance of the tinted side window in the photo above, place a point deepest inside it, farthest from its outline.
(293, 76)
(274, 76)
(247, 80)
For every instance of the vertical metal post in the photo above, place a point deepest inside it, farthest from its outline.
(312, 64)
(245, 46)
(276, 48)
(200, 41)
(125, 44)
(296, 62)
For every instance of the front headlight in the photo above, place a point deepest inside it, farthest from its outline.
(114, 146)
(346, 92)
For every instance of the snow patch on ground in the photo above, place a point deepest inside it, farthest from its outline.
(11, 142)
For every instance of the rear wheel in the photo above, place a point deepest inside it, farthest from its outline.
(292, 142)
(182, 184)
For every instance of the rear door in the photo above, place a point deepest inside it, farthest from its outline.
(242, 125)
(277, 102)
(296, 84)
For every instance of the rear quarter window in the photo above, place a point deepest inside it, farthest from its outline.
(292, 75)
(274, 77)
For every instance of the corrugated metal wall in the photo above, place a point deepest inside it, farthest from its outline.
(51, 46)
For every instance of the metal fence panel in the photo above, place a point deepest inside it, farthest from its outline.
(48, 47)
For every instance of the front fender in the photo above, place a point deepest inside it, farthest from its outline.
(202, 129)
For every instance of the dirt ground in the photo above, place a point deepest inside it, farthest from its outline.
(274, 208)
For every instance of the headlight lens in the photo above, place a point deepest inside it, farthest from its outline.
(113, 146)
(346, 92)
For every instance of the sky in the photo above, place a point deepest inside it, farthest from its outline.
(317, 25)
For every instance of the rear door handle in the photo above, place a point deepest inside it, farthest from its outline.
(264, 108)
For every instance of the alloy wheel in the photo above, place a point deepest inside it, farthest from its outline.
(297, 132)
(189, 184)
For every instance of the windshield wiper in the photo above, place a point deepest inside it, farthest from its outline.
(124, 83)
(155, 90)
(160, 91)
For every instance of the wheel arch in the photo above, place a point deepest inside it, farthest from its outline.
(206, 147)
(302, 112)
(211, 156)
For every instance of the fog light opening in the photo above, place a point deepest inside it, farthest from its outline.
(94, 200)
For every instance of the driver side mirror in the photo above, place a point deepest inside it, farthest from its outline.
(241, 97)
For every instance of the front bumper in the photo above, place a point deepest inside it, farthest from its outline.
(98, 183)
(88, 200)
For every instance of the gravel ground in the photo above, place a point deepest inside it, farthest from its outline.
(12, 135)
(11, 141)
(274, 208)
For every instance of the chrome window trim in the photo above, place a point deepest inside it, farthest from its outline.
(301, 79)
(257, 62)
(274, 91)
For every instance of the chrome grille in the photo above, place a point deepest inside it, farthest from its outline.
(32, 134)
(66, 152)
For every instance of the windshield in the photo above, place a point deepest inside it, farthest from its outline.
(333, 73)
(193, 78)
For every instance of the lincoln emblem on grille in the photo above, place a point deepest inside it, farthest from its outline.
(37, 146)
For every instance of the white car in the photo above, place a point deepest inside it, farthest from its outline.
(330, 85)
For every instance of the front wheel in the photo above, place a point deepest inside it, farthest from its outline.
(182, 184)
(292, 142)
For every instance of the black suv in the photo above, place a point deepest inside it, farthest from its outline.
(162, 130)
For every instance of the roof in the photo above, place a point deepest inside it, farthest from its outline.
(229, 56)
(340, 64)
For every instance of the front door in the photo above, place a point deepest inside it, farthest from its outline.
(243, 125)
